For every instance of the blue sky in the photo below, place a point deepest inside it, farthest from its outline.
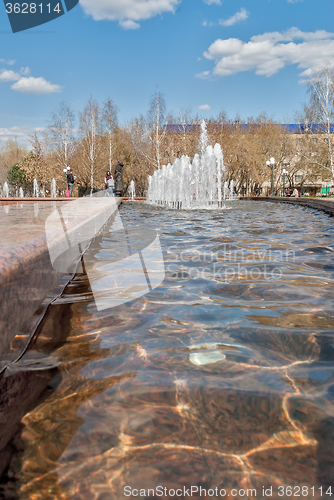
(241, 56)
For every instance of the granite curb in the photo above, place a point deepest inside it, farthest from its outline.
(325, 205)
(27, 273)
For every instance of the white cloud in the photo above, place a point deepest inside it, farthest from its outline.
(293, 34)
(27, 84)
(129, 25)
(270, 52)
(127, 12)
(31, 85)
(21, 133)
(211, 2)
(208, 23)
(10, 63)
(242, 15)
(204, 107)
(203, 76)
(25, 71)
(13, 132)
(7, 75)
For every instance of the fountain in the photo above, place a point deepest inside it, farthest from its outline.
(5, 190)
(132, 191)
(53, 188)
(226, 190)
(21, 193)
(36, 189)
(233, 192)
(229, 192)
(196, 184)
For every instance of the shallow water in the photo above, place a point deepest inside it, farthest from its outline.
(221, 377)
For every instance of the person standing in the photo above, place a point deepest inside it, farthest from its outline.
(113, 186)
(119, 184)
(70, 182)
(109, 184)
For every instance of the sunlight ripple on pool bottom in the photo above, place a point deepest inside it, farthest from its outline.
(221, 377)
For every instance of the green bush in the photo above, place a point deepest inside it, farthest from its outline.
(16, 176)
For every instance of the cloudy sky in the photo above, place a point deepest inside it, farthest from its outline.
(241, 56)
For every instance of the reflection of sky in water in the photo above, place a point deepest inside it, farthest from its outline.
(220, 381)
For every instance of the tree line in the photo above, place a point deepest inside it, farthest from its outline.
(92, 141)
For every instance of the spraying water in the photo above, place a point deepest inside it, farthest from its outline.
(21, 193)
(53, 188)
(132, 191)
(36, 189)
(203, 138)
(233, 192)
(5, 190)
(195, 184)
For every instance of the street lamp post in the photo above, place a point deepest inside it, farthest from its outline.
(283, 174)
(271, 164)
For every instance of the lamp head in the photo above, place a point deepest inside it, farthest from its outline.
(272, 161)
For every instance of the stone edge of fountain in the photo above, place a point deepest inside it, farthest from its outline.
(318, 204)
(26, 279)
(135, 198)
(16, 200)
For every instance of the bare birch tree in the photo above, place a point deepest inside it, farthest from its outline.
(320, 111)
(157, 125)
(110, 125)
(60, 135)
(91, 131)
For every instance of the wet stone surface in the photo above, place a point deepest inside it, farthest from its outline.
(221, 377)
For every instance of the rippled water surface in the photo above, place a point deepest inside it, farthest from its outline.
(221, 377)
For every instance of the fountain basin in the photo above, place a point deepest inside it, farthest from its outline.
(224, 371)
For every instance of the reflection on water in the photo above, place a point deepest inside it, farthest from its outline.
(222, 377)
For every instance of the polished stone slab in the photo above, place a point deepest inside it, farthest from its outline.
(40, 242)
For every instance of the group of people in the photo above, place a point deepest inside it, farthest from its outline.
(113, 186)
(293, 193)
